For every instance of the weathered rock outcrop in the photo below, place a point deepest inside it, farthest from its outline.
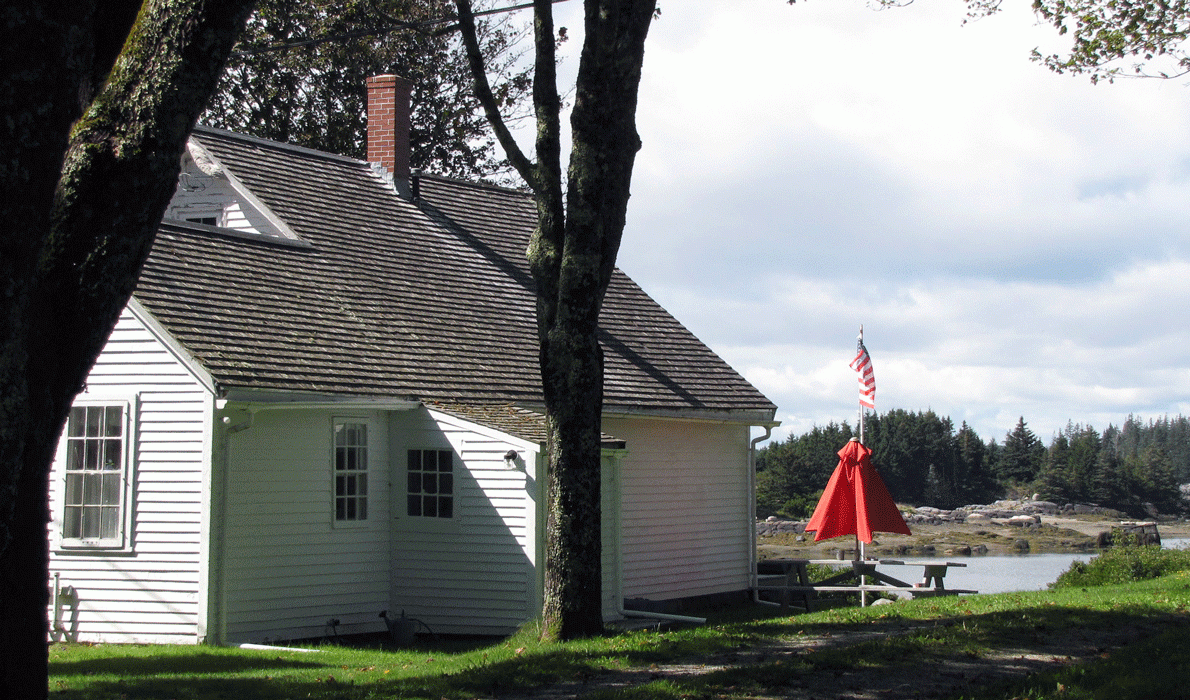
(1019, 513)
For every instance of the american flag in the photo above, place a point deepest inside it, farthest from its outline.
(867, 380)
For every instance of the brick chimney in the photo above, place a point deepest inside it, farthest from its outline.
(388, 124)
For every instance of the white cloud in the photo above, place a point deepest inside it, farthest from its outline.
(1015, 242)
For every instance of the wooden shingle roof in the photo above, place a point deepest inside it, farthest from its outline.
(428, 299)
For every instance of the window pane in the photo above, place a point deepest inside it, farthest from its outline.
(445, 507)
(414, 482)
(90, 523)
(445, 461)
(71, 525)
(414, 459)
(111, 490)
(414, 505)
(74, 489)
(109, 522)
(78, 418)
(92, 489)
(361, 484)
(114, 419)
(430, 506)
(74, 455)
(111, 454)
(340, 509)
(91, 458)
(363, 509)
(94, 421)
(429, 483)
(446, 483)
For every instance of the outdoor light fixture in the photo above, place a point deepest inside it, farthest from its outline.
(510, 459)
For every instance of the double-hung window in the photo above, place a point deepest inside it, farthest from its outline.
(351, 472)
(96, 490)
(430, 484)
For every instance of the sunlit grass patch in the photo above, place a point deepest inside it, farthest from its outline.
(747, 652)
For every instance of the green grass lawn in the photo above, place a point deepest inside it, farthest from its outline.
(902, 636)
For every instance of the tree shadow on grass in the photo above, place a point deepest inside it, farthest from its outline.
(759, 657)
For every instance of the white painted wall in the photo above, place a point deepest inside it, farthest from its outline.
(288, 567)
(154, 591)
(684, 507)
(473, 573)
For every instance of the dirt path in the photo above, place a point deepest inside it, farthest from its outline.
(939, 675)
(1033, 648)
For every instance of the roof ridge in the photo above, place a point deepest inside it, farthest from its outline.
(200, 130)
(420, 174)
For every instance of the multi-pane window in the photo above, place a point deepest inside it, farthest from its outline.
(96, 463)
(431, 483)
(351, 471)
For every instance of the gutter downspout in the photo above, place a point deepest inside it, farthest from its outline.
(662, 616)
(768, 432)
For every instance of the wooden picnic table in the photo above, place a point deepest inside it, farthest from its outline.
(791, 577)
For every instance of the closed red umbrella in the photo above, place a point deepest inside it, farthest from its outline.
(856, 501)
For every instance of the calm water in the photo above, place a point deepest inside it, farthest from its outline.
(1022, 572)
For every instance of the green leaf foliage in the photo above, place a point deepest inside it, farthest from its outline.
(299, 77)
(1136, 468)
(1124, 565)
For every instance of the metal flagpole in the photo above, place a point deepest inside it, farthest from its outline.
(860, 343)
(863, 595)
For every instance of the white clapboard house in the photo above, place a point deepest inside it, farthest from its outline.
(323, 402)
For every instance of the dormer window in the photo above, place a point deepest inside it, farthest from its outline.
(209, 194)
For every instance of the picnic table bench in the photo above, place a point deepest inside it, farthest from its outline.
(790, 577)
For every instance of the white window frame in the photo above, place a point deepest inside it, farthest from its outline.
(350, 476)
(122, 540)
(455, 463)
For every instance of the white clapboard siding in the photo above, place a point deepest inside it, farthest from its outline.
(684, 507)
(288, 567)
(152, 592)
(474, 572)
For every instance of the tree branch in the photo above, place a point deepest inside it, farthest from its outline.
(483, 92)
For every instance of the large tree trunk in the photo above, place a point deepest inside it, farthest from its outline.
(572, 256)
(82, 202)
(572, 265)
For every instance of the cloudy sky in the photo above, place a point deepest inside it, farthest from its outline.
(1014, 242)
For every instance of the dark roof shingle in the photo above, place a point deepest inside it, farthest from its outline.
(430, 299)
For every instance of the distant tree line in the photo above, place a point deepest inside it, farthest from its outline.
(924, 460)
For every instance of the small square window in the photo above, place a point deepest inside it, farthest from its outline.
(430, 484)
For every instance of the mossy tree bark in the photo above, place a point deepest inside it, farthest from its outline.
(97, 98)
(572, 255)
